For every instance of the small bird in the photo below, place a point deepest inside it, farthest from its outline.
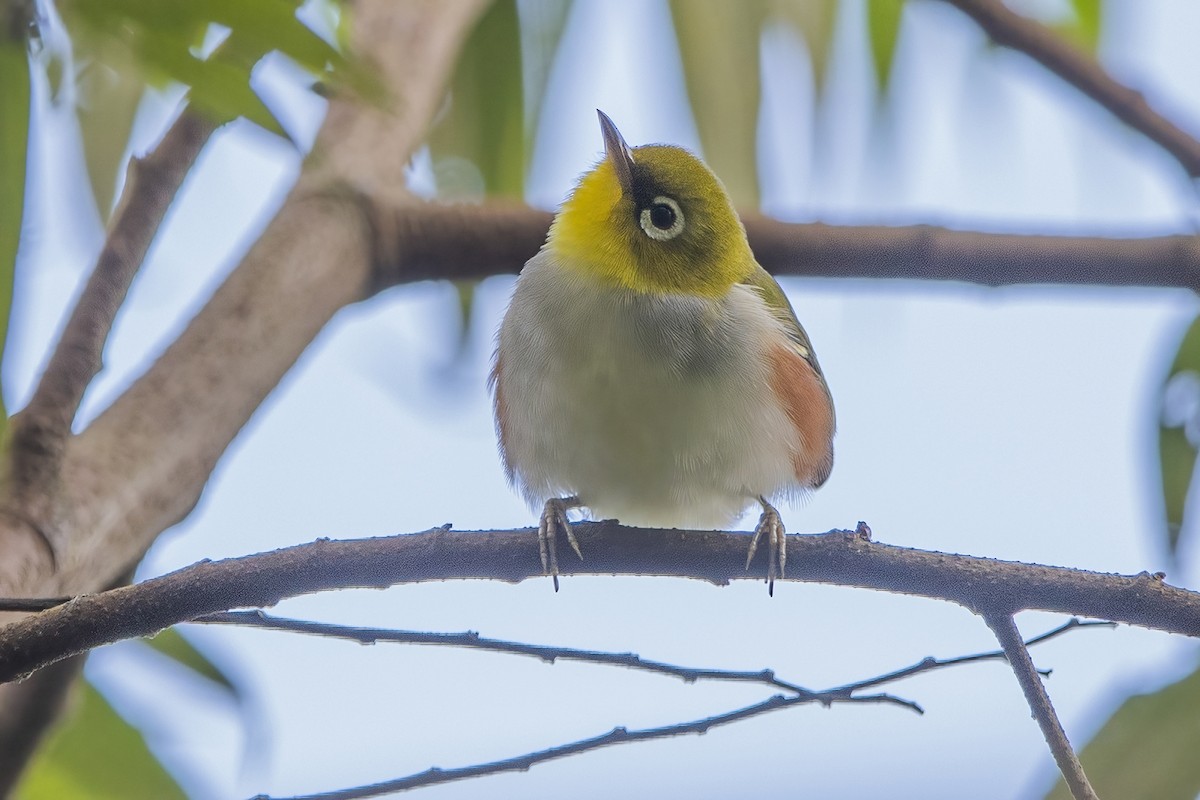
(648, 369)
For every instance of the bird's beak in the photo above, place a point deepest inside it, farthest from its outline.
(617, 151)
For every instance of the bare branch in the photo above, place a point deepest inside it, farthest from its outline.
(1010, 640)
(621, 735)
(423, 241)
(934, 663)
(1085, 74)
(141, 465)
(473, 641)
(843, 558)
(41, 430)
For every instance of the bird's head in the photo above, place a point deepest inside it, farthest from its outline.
(652, 219)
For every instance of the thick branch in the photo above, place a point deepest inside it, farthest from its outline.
(430, 241)
(41, 430)
(840, 557)
(1010, 640)
(1085, 74)
(141, 466)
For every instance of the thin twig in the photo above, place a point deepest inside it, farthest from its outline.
(928, 664)
(1005, 628)
(27, 604)
(40, 431)
(622, 735)
(550, 654)
(1084, 73)
(522, 763)
(472, 640)
(843, 558)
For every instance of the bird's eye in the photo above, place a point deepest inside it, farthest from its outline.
(662, 219)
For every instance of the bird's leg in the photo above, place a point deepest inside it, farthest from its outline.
(554, 519)
(772, 525)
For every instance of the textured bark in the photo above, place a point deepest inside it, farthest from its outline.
(844, 558)
(140, 467)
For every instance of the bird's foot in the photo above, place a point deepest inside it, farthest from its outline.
(554, 520)
(770, 525)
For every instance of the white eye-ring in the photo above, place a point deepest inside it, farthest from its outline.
(662, 219)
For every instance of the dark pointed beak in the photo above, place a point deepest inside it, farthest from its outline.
(617, 151)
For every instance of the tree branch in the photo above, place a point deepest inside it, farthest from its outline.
(1010, 640)
(1084, 73)
(522, 763)
(41, 430)
(471, 640)
(843, 558)
(622, 736)
(429, 241)
(141, 465)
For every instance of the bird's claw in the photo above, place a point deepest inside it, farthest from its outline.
(771, 525)
(553, 520)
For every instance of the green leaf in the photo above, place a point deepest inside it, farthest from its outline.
(1083, 28)
(109, 92)
(883, 27)
(14, 140)
(815, 20)
(485, 124)
(1147, 749)
(172, 644)
(724, 91)
(162, 38)
(94, 754)
(542, 25)
(217, 88)
(1087, 22)
(1179, 431)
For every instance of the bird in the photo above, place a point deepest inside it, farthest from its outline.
(648, 369)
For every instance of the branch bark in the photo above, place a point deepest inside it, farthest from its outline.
(1084, 73)
(427, 241)
(844, 558)
(140, 467)
(1017, 654)
(40, 432)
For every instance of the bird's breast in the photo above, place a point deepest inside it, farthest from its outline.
(655, 409)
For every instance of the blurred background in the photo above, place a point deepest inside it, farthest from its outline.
(1020, 423)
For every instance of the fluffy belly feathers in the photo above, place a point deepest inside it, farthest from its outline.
(682, 428)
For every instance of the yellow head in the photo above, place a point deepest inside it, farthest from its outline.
(653, 219)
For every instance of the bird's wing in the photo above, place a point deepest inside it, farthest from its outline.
(801, 386)
(772, 294)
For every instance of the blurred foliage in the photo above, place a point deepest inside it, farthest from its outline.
(814, 20)
(172, 644)
(94, 754)
(724, 92)
(883, 30)
(482, 144)
(478, 146)
(18, 28)
(1179, 432)
(1147, 749)
(1083, 29)
(210, 46)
